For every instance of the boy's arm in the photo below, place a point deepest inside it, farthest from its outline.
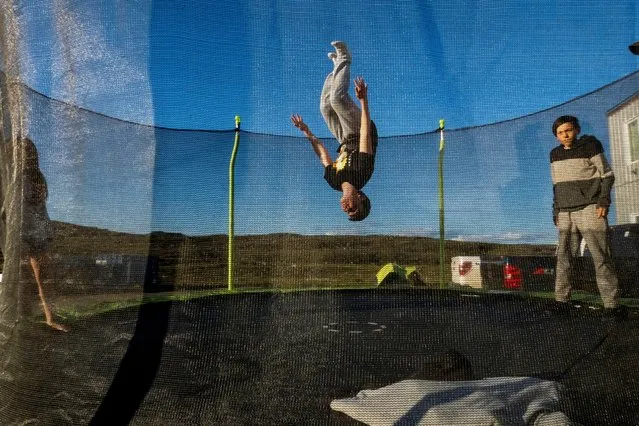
(318, 146)
(555, 209)
(607, 180)
(361, 91)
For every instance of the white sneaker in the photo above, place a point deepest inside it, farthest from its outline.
(342, 50)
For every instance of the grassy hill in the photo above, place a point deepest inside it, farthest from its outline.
(276, 260)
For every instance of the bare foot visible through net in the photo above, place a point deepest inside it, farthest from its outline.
(57, 326)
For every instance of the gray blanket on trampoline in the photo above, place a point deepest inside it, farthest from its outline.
(491, 401)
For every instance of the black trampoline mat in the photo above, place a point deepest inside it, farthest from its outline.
(280, 358)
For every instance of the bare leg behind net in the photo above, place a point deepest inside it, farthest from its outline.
(36, 267)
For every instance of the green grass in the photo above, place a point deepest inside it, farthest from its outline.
(82, 306)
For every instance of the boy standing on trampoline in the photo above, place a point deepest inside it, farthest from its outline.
(582, 180)
(354, 130)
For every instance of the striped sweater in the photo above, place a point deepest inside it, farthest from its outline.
(581, 176)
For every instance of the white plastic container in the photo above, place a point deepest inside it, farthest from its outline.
(466, 271)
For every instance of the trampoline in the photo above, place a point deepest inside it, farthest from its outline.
(172, 253)
(280, 358)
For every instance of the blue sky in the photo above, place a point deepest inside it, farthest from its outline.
(198, 64)
(464, 61)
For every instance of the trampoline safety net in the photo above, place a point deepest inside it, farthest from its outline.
(161, 270)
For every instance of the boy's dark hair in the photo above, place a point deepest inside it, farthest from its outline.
(32, 172)
(563, 120)
(365, 209)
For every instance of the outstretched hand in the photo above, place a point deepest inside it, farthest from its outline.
(299, 122)
(361, 88)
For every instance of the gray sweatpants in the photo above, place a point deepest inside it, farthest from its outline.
(585, 224)
(340, 112)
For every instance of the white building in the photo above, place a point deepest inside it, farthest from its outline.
(623, 126)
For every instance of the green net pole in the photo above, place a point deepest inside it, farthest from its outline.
(231, 201)
(442, 264)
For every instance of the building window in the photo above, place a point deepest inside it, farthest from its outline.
(633, 138)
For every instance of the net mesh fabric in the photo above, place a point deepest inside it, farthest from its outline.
(138, 209)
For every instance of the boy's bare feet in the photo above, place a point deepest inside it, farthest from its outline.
(57, 326)
(342, 50)
(332, 56)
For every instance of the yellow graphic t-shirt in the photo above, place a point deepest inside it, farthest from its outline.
(354, 167)
(341, 161)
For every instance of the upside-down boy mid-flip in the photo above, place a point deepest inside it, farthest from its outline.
(354, 130)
